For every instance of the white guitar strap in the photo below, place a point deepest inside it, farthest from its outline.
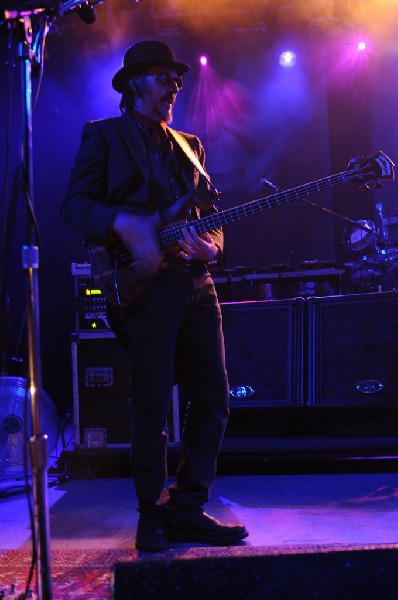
(186, 148)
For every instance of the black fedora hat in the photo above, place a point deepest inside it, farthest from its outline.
(143, 55)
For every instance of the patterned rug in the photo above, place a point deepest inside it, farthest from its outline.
(86, 574)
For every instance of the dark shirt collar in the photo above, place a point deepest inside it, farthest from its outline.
(146, 122)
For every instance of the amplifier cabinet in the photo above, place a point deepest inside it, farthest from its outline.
(101, 405)
(101, 393)
(90, 303)
(353, 350)
(264, 352)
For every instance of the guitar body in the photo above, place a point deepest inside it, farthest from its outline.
(115, 272)
(117, 279)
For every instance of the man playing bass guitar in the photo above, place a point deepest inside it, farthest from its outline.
(132, 175)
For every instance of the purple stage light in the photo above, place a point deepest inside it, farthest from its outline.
(287, 58)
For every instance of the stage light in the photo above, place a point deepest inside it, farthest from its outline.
(203, 60)
(287, 59)
(361, 46)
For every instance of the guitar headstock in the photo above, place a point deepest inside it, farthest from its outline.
(367, 169)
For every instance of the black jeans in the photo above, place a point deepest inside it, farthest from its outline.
(177, 324)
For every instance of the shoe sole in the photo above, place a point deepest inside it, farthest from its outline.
(142, 548)
(202, 539)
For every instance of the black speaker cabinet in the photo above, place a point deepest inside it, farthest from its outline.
(353, 350)
(264, 356)
(100, 391)
(101, 386)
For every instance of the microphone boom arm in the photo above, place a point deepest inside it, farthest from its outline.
(336, 215)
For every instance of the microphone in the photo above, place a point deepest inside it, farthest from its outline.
(86, 12)
(263, 186)
(269, 185)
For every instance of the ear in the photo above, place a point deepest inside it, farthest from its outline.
(136, 88)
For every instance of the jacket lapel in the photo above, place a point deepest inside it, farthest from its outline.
(131, 135)
(130, 132)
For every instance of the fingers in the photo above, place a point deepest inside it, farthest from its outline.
(197, 247)
(191, 238)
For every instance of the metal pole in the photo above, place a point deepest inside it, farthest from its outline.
(38, 443)
(31, 263)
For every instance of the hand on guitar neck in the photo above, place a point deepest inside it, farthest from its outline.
(195, 247)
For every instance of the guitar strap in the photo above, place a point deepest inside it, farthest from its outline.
(190, 154)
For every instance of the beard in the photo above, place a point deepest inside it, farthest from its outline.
(160, 108)
(165, 115)
(165, 109)
(169, 116)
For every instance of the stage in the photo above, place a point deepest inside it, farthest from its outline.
(312, 535)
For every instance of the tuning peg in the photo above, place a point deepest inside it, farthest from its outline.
(378, 185)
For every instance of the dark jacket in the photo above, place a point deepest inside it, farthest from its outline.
(111, 174)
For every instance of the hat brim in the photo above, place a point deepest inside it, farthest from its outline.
(140, 68)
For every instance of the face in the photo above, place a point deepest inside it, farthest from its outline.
(159, 94)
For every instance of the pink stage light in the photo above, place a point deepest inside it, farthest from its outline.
(361, 46)
(203, 60)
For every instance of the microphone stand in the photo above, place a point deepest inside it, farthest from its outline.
(31, 52)
(271, 187)
(31, 262)
(351, 223)
(337, 216)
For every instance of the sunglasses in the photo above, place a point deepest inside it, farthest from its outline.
(167, 79)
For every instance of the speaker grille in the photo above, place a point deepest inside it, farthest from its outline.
(263, 344)
(354, 340)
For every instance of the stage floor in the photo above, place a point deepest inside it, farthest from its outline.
(328, 535)
(281, 511)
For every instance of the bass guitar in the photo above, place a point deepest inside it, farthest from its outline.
(114, 270)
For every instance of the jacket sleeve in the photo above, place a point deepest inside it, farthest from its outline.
(86, 207)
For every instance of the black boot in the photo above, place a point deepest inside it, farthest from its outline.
(152, 531)
(197, 526)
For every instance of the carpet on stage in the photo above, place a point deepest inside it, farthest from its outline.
(87, 574)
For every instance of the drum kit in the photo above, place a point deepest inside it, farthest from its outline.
(377, 240)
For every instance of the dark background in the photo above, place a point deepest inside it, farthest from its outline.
(256, 120)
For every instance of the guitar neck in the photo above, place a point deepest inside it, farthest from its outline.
(171, 235)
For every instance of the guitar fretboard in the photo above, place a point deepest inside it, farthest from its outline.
(171, 235)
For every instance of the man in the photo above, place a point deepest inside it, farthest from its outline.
(132, 175)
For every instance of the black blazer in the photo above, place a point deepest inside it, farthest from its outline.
(111, 173)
